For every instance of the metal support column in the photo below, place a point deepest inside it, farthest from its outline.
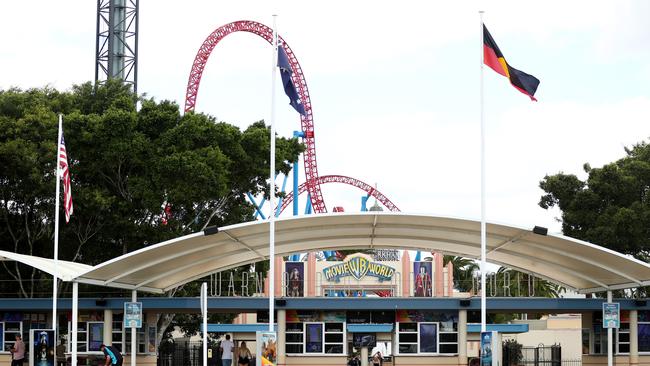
(134, 343)
(75, 318)
(610, 338)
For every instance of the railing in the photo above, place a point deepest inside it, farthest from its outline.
(183, 354)
(515, 354)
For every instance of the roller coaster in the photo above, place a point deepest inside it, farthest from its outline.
(313, 181)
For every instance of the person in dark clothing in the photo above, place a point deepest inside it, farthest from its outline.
(113, 356)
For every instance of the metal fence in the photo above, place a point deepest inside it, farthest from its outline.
(515, 354)
(184, 354)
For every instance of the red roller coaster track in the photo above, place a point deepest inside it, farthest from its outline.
(313, 181)
(345, 180)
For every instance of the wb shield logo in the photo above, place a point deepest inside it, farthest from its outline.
(358, 267)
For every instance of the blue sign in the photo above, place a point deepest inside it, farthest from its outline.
(611, 315)
(132, 315)
(358, 267)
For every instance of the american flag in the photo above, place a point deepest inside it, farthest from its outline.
(65, 176)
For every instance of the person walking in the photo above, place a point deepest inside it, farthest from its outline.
(226, 351)
(60, 353)
(18, 352)
(112, 354)
(244, 355)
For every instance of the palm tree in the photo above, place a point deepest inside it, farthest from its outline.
(464, 271)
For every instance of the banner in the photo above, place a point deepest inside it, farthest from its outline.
(266, 349)
(486, 348)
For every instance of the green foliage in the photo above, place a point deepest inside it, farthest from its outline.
(125, 166)
(611, 207)
(508, 282)
(464, 271)
(512, 352)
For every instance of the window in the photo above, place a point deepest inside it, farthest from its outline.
(294, 338)
(140, 339)
(423, 337)
(600, 338)
(35, 321)
(585, 341)
(334, 338)
(407, 338)
(10, 331)
(448, 339)
(314, 335)
(644, 337)
(623, 338)
(117, 334)
(315, 338)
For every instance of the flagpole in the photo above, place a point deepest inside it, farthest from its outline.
(483, 234)
(272, 184)
(55, 279)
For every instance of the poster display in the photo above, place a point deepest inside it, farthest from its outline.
(611, 315)
(41, 352)
(266, 349)
(486, 348)
(132, 315)
(422, 285)
(296, 279)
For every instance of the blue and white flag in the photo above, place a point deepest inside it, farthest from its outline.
(287, 83)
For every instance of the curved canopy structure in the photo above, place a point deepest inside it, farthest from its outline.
(66, 271)
(573, 263)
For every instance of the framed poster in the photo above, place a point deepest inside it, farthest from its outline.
(132, 315)
(422, 283)
(296, 279)
(611, 315)
(266, 349)
(486, 348)
(41, 350)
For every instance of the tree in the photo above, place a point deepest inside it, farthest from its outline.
(465, 270)
(611, 207)
(138, 176)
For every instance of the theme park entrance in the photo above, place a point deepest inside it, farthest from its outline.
(423, 316)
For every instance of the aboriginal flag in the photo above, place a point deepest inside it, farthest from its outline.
(493, 57)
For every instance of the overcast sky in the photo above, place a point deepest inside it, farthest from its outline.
(394, 86)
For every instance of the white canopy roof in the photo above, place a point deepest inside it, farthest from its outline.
(573, 263)
(65, 270)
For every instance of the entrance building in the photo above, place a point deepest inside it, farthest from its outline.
(406, 308)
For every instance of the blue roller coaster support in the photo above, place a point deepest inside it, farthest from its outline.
(308, 206)
(297, 134)
(258, 208)
(364, 203)
(295, 188)
(284, 186)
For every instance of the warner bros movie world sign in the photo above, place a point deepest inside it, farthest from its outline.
(358, 267)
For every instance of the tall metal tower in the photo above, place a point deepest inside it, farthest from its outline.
(117, 41)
